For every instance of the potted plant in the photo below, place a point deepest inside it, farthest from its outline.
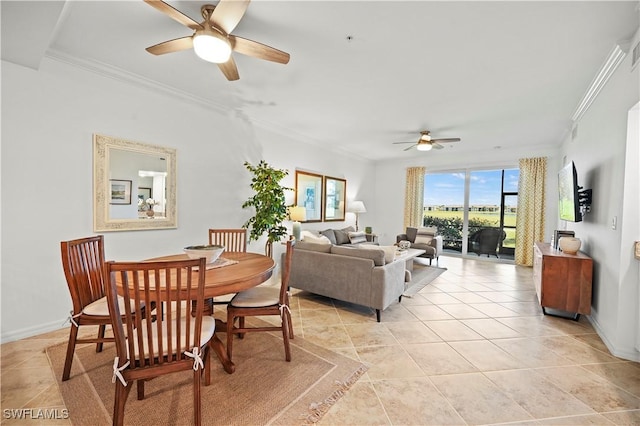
(269, 204)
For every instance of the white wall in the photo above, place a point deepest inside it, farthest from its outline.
(48, 118)
(606, 164)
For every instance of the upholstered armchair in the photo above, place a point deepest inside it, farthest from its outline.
(424, 239)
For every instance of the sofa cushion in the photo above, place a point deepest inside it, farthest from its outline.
(310, 246)
(428, 230)
(376, 255)
(423, 239)
(357, 237)
(411, 234)
(389, 251)
(330, 235)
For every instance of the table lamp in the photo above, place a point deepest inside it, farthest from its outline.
(357, 207)
(297, 214)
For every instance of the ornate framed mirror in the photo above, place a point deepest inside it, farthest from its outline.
(134, 185)
(309, 194)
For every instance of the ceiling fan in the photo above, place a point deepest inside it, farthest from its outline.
(426, 142)
(212, 39)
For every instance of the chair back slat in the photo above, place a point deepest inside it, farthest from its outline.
(231, 239)
(174, 327)
(82, 261)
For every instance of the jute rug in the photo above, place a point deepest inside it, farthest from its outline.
(421, 276)
(265, 389)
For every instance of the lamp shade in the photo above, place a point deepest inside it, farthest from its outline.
(298, 213)
(357, 207)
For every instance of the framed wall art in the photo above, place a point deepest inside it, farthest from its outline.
(309, 194)
(335, 190)
(120, 191)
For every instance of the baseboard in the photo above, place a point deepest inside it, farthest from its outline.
(630, 354)
(32, 331)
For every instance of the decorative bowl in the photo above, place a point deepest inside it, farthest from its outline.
(569, 245)
(210, 252)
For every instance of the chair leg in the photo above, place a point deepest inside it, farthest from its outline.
(285, 338)
(290, 325)
(207, 365)
(197, 409)
(140, 389)
(122, 392)
(71, 347)
(241, 325)
(230, 320)
(101, 330)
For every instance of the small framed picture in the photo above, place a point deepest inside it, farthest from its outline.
(144, 193)
(120, 191)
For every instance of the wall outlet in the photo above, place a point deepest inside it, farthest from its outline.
(614, 222)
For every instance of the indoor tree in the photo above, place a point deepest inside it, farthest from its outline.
(268, 202)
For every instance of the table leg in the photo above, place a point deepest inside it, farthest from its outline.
(217, 347)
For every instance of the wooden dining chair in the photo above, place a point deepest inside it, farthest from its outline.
(176, 340)
(231, 239)
(263, 300)
(83, 264)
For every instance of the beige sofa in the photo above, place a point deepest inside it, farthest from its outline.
(352, 274)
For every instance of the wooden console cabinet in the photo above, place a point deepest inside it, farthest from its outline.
(563, 281)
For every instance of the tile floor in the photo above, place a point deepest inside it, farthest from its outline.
(470, 348)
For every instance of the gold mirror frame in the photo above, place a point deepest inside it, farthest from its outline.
(102, 149)
(309, 194)
(335, 190)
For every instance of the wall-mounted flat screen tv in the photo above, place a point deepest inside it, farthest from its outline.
(569, 202)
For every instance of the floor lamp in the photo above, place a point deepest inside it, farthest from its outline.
(297, 214)
(357, 207)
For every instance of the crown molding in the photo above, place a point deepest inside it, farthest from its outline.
(115, 73)
(607, 69)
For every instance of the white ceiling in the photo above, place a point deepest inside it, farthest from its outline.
(502, 74)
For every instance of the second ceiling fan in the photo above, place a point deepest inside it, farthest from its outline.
(212, 39)
(426, 142)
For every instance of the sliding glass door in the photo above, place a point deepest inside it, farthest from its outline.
(475, 210)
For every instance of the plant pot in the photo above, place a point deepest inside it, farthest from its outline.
(150, 213)
(569, 245)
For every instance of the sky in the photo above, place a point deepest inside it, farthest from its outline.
(448, 188)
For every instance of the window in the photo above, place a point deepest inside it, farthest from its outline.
(463, 202)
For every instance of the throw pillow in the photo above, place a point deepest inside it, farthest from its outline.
(426, 234)
(423, 239)
(341, 236)
(330, 235)
(357, 237)
(317, 239)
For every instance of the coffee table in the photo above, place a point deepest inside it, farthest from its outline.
(408, 255)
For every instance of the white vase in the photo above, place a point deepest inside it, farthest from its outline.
(569, 245)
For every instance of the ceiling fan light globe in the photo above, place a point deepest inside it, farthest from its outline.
(424, 146)
(211, 46)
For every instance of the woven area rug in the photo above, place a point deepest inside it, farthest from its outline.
(265, 389)
(421, 276)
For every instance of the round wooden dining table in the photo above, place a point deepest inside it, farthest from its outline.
(245, 270)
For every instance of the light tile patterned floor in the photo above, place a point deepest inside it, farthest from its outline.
(471, 348)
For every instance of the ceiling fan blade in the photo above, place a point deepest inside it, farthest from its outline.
(175, 45)
(407, 149)
(174, 14)
(258, 50)
(436, 145)
(446, 140)
(228, 13)
(395, 143)
(229, 69)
